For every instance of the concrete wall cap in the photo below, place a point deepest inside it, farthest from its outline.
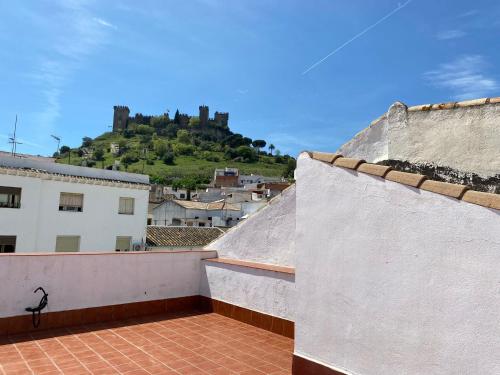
(483, 199)
(374, 169)
(444, 188)
(348, 163)
(405, 178)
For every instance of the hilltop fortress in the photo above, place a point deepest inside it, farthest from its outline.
(121, 118)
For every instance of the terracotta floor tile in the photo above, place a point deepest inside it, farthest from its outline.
(187, 344)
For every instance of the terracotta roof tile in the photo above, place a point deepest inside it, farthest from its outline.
(348, 163)
(219, 205)
(374, 169)
(181, 236)
(405, 178)
(445, 188)
(452, 105)
(483, 199)
(323, 156)
(460, 192)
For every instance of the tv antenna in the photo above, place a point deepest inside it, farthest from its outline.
(58, 139)
(13, 139)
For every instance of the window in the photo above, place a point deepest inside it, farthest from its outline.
(123, 243)
(201, 224)
(67, 244)
(150, 221)
(176, 222)
(71, 202)
(126, 206)
(7, 244)
(10, 197)
(182, 195)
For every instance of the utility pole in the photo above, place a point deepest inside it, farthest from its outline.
(13, 139)
(58, 139)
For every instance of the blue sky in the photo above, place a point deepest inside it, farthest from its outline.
(65, 63)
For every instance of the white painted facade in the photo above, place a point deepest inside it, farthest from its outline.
(465, 138)
(75, 281)
(38, 221)
(171, 213)
(392, 279)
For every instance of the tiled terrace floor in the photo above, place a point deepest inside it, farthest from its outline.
(180, 344)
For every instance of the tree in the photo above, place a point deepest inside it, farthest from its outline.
(99, 154)
(258, 144)
(183, 136)
(64, 150)
(161, 148)
(290, 168)
(194, 121)
(271, 148)
(247, 154)
(87, 142)
(176, 117)
(168, 158)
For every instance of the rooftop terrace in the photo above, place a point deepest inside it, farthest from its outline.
(182, 343)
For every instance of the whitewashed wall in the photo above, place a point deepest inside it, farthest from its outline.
(268, 237)
(465, 138)
(75, 281)
(265, 291)
(394, 280)
(38, 222)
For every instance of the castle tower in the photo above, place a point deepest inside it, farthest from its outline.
(120, 117)
(203, 115)
(221, 118)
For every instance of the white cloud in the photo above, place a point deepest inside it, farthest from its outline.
(465, 78)
(242, 91)
(105, 23)
(450, 34)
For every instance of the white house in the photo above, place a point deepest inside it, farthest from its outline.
(197, 214)
(47, 207)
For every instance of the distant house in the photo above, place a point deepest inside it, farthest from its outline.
(46, 207)
(196, 214)
(226, 177)
(180, 238)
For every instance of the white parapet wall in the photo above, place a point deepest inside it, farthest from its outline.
(392, 279)
(268, 237)
(463, 136)
(75, 281)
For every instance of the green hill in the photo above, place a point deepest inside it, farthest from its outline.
(171, 153)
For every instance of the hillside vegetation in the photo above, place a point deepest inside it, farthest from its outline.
(181, 154)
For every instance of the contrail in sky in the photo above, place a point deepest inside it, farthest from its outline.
(399, 7)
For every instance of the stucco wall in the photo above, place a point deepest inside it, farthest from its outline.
(394, 280)
(38, 222)
(465, 138)
(370, 144)
(267, 236)
(268, 292)
(76, 281)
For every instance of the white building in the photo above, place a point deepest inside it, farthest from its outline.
(47, 207)
(197, 214)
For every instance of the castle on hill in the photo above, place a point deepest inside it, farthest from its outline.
(121, 118)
